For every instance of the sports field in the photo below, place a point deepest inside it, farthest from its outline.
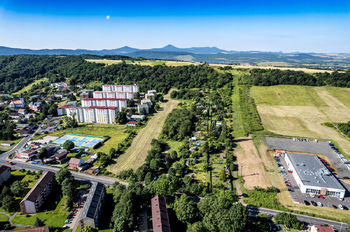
(300, 111)
(117, 134)
(87, 141)
(136, 154)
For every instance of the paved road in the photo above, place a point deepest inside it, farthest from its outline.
(340, 226)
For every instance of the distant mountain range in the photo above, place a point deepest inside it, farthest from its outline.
(204, 54)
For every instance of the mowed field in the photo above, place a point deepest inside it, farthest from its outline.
(136, 154)
(253, 165)
(300, 110)
(184, 63)
(28, 87)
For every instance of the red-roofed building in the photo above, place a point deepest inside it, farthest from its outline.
(131, 123)
(160, 218)
(62, 110)
(315, 228)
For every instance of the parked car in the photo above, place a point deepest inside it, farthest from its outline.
(346, 177)
(341, 207)
(313, 203)
(9, 163)
(306, 203)
(319, 204)
(321, 196)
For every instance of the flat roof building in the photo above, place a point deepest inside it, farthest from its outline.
(92, 208)
(312, 176)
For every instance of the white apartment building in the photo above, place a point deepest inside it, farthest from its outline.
(93, 114)
(105, 94)
(121, 88)
(107, 102)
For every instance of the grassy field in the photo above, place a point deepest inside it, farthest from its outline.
(137, 152)
(3, 148)
(184, 63)
(53, 218)
(281, 113)
(3, 218)
(116, 133)
(286, 95)
(28, 87)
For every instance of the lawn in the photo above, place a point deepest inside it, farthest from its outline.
(3, 218)
(117, 134)
(28, 87)
(286, 95)
(9, 148)
(136, 154)
(53, 218)
(342, 94)
(303, 115)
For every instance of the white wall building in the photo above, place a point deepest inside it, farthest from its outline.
(109, 94)
(312, 176)
(121, 88)
(108, 102)
(93, 114)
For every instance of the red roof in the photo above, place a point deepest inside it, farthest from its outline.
(63, 106)
(324, 229)
(132, 122)
(103, 107)
(100, 99)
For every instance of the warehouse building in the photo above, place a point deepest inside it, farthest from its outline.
(312, 176)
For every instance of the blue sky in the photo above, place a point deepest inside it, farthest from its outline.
(293, 25)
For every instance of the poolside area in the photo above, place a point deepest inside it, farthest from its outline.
(87, 141)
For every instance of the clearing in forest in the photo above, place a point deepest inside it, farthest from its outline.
(136, 154)
(302, 113)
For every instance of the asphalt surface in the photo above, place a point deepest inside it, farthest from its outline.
(339, 226)
(320, 147)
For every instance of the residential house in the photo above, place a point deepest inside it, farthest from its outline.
(17, 104)
(135, 117)
(143, 108)
(131, 123)
(21, 111)
(5, 174)
(315, 228)
(35, 106)
(7, 144)
(93, 205)
(30, 115)
(75, 163)
(26, 154)
(37, 196)
(160, 218)
(59, 94)
(61, 156)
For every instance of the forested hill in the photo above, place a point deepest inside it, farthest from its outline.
(19, 71)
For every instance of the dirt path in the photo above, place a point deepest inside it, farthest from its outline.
(137, 152)
(250, 165)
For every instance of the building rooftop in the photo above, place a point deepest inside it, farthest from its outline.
(92, 202)
(3, 169)
(36, 229)
(42, 183)
(160, 219)
(102, 99)
(312, 171)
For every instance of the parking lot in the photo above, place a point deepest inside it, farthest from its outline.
(310, 146)
(303, 198)
(74, 216)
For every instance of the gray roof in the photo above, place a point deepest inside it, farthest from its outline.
(93, 200)
(313, 172)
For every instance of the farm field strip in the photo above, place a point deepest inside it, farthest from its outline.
(135, 155)
(304, 120)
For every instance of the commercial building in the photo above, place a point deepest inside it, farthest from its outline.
(37, 196)
(26, 154)
(121, 88)
(312, 176)
(160, 218)
(93, 114)
(108, 102)
(5, 174)
(109, 94)
(92, 208)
